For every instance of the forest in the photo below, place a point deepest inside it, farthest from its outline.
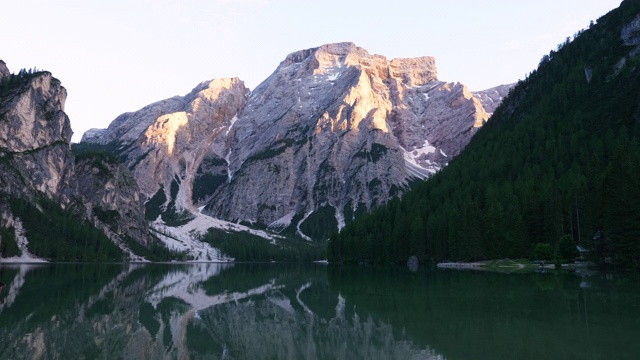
(557, 163)
(246, 247)
(15, 81)
(55, 233)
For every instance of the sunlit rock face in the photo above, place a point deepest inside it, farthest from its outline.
(167, 141)
(35, 137)
(334, 131)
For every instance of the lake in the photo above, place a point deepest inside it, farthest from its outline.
(282, 311)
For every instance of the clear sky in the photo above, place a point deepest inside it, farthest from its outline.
(115, 56)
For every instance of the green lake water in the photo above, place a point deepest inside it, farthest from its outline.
(279, 311)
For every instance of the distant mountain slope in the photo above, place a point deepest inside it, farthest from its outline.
(333, 132)
(559, 163)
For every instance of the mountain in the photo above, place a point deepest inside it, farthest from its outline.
(52, 203)
(557, 165)
(34, 138)
(333, 132)
(166, 142)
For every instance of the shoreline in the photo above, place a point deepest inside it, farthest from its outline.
(508, 265)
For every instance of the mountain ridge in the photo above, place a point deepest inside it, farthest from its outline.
(333, 128)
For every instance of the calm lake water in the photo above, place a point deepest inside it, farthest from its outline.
(276, 311)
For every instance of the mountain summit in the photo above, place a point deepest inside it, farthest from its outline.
(333, 132)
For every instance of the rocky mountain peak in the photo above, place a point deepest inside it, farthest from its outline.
(128, 127)
(337, 50)
(334, 131)
(165, 143)
(339, 129)
(491, 98)
(413, 71)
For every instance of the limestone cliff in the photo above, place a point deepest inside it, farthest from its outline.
(115, 200)
(35, 137)
(165, 142)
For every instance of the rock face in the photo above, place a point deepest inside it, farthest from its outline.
(491, 98)
(114, 196)
(630, 33)
(332, 132)
(4, 71)
(35, 138)
(36, 161)
(167, 141)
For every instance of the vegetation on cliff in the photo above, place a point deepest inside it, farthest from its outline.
(57, 234)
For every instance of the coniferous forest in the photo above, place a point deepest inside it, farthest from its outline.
(558, 164)
(55, 233)
(15, 81)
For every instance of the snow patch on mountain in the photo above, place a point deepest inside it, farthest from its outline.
(23, 242)
(186, 238)
(417, 165)
(299, 232)
(339, 218)
(282, 223)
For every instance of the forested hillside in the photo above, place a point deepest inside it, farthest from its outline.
(560, 156)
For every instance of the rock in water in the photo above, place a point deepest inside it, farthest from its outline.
(412, 263)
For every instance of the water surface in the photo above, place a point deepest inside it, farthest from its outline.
(279, 311)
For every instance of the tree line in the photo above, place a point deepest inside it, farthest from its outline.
(244, 246)
(13, 81)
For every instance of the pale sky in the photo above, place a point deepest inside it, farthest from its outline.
(115, 56)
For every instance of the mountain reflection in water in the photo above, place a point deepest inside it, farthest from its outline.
(154, 311)
(279, 311)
